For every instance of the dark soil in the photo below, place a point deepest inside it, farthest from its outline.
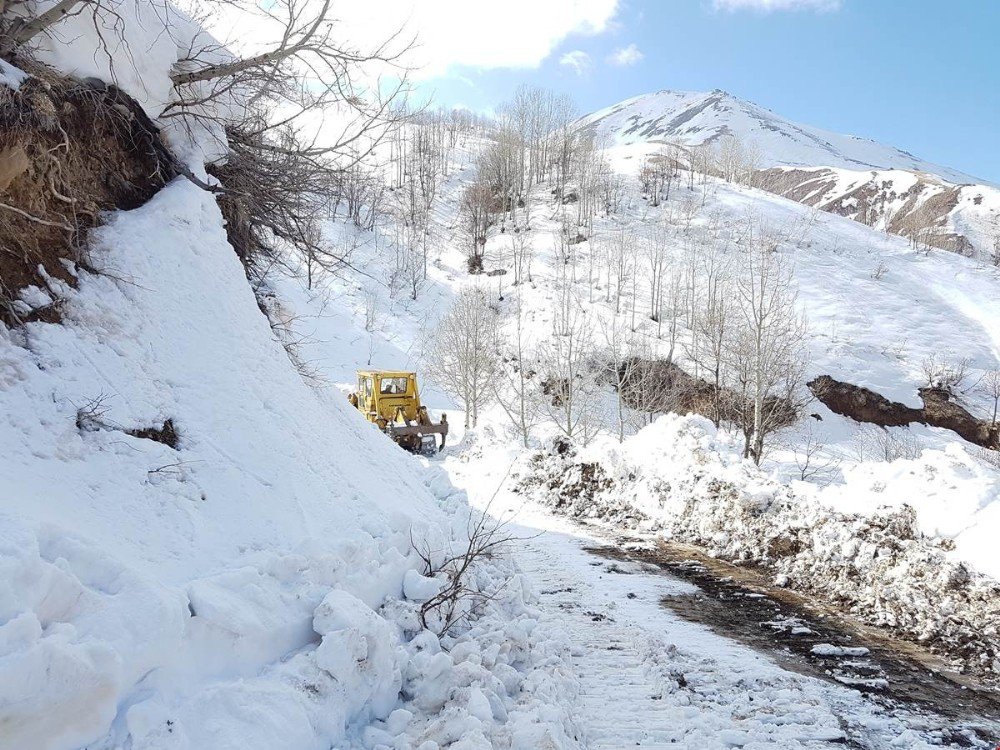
(166, 434)
(69, 150)
(660, 386)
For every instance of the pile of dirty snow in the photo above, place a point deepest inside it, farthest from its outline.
(682, 478)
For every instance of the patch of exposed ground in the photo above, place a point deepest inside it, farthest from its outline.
(924, 207)
(939, 410)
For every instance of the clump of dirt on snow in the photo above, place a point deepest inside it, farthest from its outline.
(940, 410)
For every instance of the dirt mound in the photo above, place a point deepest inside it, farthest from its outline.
(659, 386)
(69, 150)
(862, 404)
(939, 410)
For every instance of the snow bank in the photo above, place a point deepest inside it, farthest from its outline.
(10, 76)
(132, 44)
(682, 478)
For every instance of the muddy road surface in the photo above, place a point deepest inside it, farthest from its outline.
(816, 640)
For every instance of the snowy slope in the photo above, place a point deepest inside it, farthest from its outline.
(199, 548)
(254, 587)
(123, 556)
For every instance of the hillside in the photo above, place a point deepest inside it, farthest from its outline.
(200, 547)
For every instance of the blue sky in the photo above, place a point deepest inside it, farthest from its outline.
(921, 75)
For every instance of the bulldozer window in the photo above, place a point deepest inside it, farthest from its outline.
(391, 386)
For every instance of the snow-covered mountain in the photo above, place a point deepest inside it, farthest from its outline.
(695, 118)
(874, 183)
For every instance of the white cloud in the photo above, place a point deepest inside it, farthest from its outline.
(626, 56)
(578, 60)
(510, 34)
(770, 6)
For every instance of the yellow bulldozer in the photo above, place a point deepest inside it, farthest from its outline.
(390, 400)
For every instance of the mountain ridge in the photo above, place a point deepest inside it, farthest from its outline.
(697, 118)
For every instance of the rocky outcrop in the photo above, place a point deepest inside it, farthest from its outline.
(922, 210)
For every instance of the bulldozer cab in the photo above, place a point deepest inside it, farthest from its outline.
(391, 400)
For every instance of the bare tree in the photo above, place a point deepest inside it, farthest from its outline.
(619, 260)
(500, 167)
(277, 167)
(945, 374)
(516, 389)
(712, 332)
(655, 247)
(477, 201)
(734, 162)
(461, 595)
(568, 379)
(814, 462)
(990, 387)
(621, 361)
(465, 357)
(521, 250)
(767, 356)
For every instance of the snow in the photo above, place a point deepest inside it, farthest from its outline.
(682, 478)
(644, 677)
(88, 45)
(197, 592)
(835, 164)
(974, 216)
(10, 76)
(828, 649)
(872, 332)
